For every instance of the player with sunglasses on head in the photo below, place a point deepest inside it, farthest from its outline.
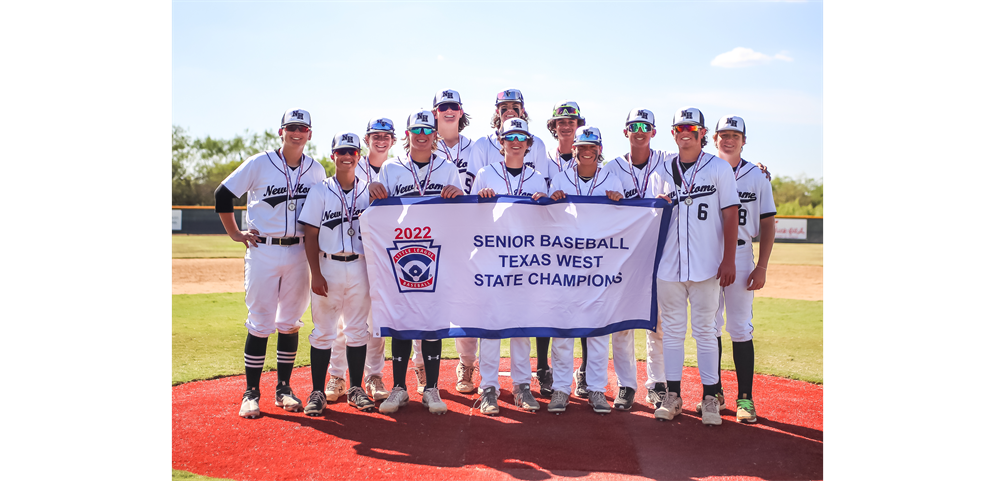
(585, 178)
(756, 216)
(699, 258)
(511, 177)
(379, 139)
(420, 173)
(508, 104)
(276, 269)
(340, 287)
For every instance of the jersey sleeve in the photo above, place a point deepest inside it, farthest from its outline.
(243, 177)
(767, 207)
(475, 161)
(613, 183)
(314, 205)
(725, 182)
(453, 176)
(478, 182)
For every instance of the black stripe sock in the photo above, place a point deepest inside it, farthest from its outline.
(709, 390)
(319, 364)
(286, 353)
(583, 354)
(675, 387)
(431, 352)
(255, 356)
(743, 356)
(355, 357)
(542, 353)
(401, 350)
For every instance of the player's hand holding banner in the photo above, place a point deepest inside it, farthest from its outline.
(513, 267)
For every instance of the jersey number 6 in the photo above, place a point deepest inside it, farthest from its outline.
(702, 213)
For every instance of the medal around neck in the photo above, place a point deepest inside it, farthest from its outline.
(688, 200)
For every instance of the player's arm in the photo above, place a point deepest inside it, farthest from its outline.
(224, 205)
(318, 284)
(759, 275)
(730, 227)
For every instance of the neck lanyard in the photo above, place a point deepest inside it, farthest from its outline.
(291, 203)
(594, 180)
(684, 181)
(346, 210)
(459, 150)
(414, 173)
(738, 166)
(557, 161)
(646, 175)
(507, 183)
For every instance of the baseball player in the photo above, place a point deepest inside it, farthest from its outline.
(756, 216)
(339, 284)
(508, 104)
(634, 171)
(511, 177)
(586, 177)
(419, 173)
(276, 270)
(698, 259)
(379, 139)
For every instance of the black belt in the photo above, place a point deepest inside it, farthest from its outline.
(740, 242)
(282, 241)
(340, 258)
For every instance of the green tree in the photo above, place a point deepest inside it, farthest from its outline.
(800, 196)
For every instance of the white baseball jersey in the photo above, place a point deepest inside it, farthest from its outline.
(571, 184)
(635, 179)
(458, 155)
(268, 181)
(756, 199)
(404, 177)
(334, 212)
(694, 246)
(553, 164)
(487, 150)
(496, 176)
(368, 174)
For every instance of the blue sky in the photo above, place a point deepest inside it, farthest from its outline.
(240, 65)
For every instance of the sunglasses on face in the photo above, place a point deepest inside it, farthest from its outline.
(639, 127)
(297, 128)
(564, 110)
(686, 128)
(448, 106)
(422, 131)
(516, 137)
(347, 151)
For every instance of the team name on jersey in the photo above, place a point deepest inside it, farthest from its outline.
(400, 190)
(747, 196)
(703, 189)
(274, 190)
(335, 214)
(628, 194)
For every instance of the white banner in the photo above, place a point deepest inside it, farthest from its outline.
(512, 267)
(177, 219)
(790, 228)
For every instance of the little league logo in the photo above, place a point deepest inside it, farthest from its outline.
(415, 264)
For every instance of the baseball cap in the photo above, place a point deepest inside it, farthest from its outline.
(380, 125)
(588, 136)
(421, 118)
(345, 140)
(444, 96)
(510, 95)
(731, 122)
(566, 109)
(641, 115)
(689, 115)
(515, 125)
(295, 116)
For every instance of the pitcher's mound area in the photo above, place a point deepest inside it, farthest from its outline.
(209, 438)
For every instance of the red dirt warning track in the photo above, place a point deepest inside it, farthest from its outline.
(209, 438)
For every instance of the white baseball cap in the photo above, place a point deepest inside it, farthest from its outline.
(515, 125)
(421, 118)
(510, 95)
(444, 96)
(345, 140)
(295, 116)
(640, 115)
(588, 136)
(382, 124)
(689, 115)
(731, 122)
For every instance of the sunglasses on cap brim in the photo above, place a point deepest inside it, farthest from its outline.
(386, 126)
(565, 110)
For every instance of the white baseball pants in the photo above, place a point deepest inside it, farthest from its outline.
(337, 365)
(277, 284)
(348, 302)
(624, 357)
(561, 362)
(490, 358)
(673, 299)
(737, 301)
(597, 363)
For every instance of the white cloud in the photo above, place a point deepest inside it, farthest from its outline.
(740, 57)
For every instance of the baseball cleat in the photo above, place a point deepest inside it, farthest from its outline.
(545, 379)
(746, 412)
(580, 377)
(250, 404)
(524, 398)
(335, 388)
(710, 411)
(661, 392)
(375, 388)
(558, 402)
(669, 407)
(431, 399)
(488, 401)
(464, 378)
(285, 398)
(315, 403)
(625, 398)
(358, 399)
(420, 375)
(398, 398)
(722, 403)
(597, 401)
